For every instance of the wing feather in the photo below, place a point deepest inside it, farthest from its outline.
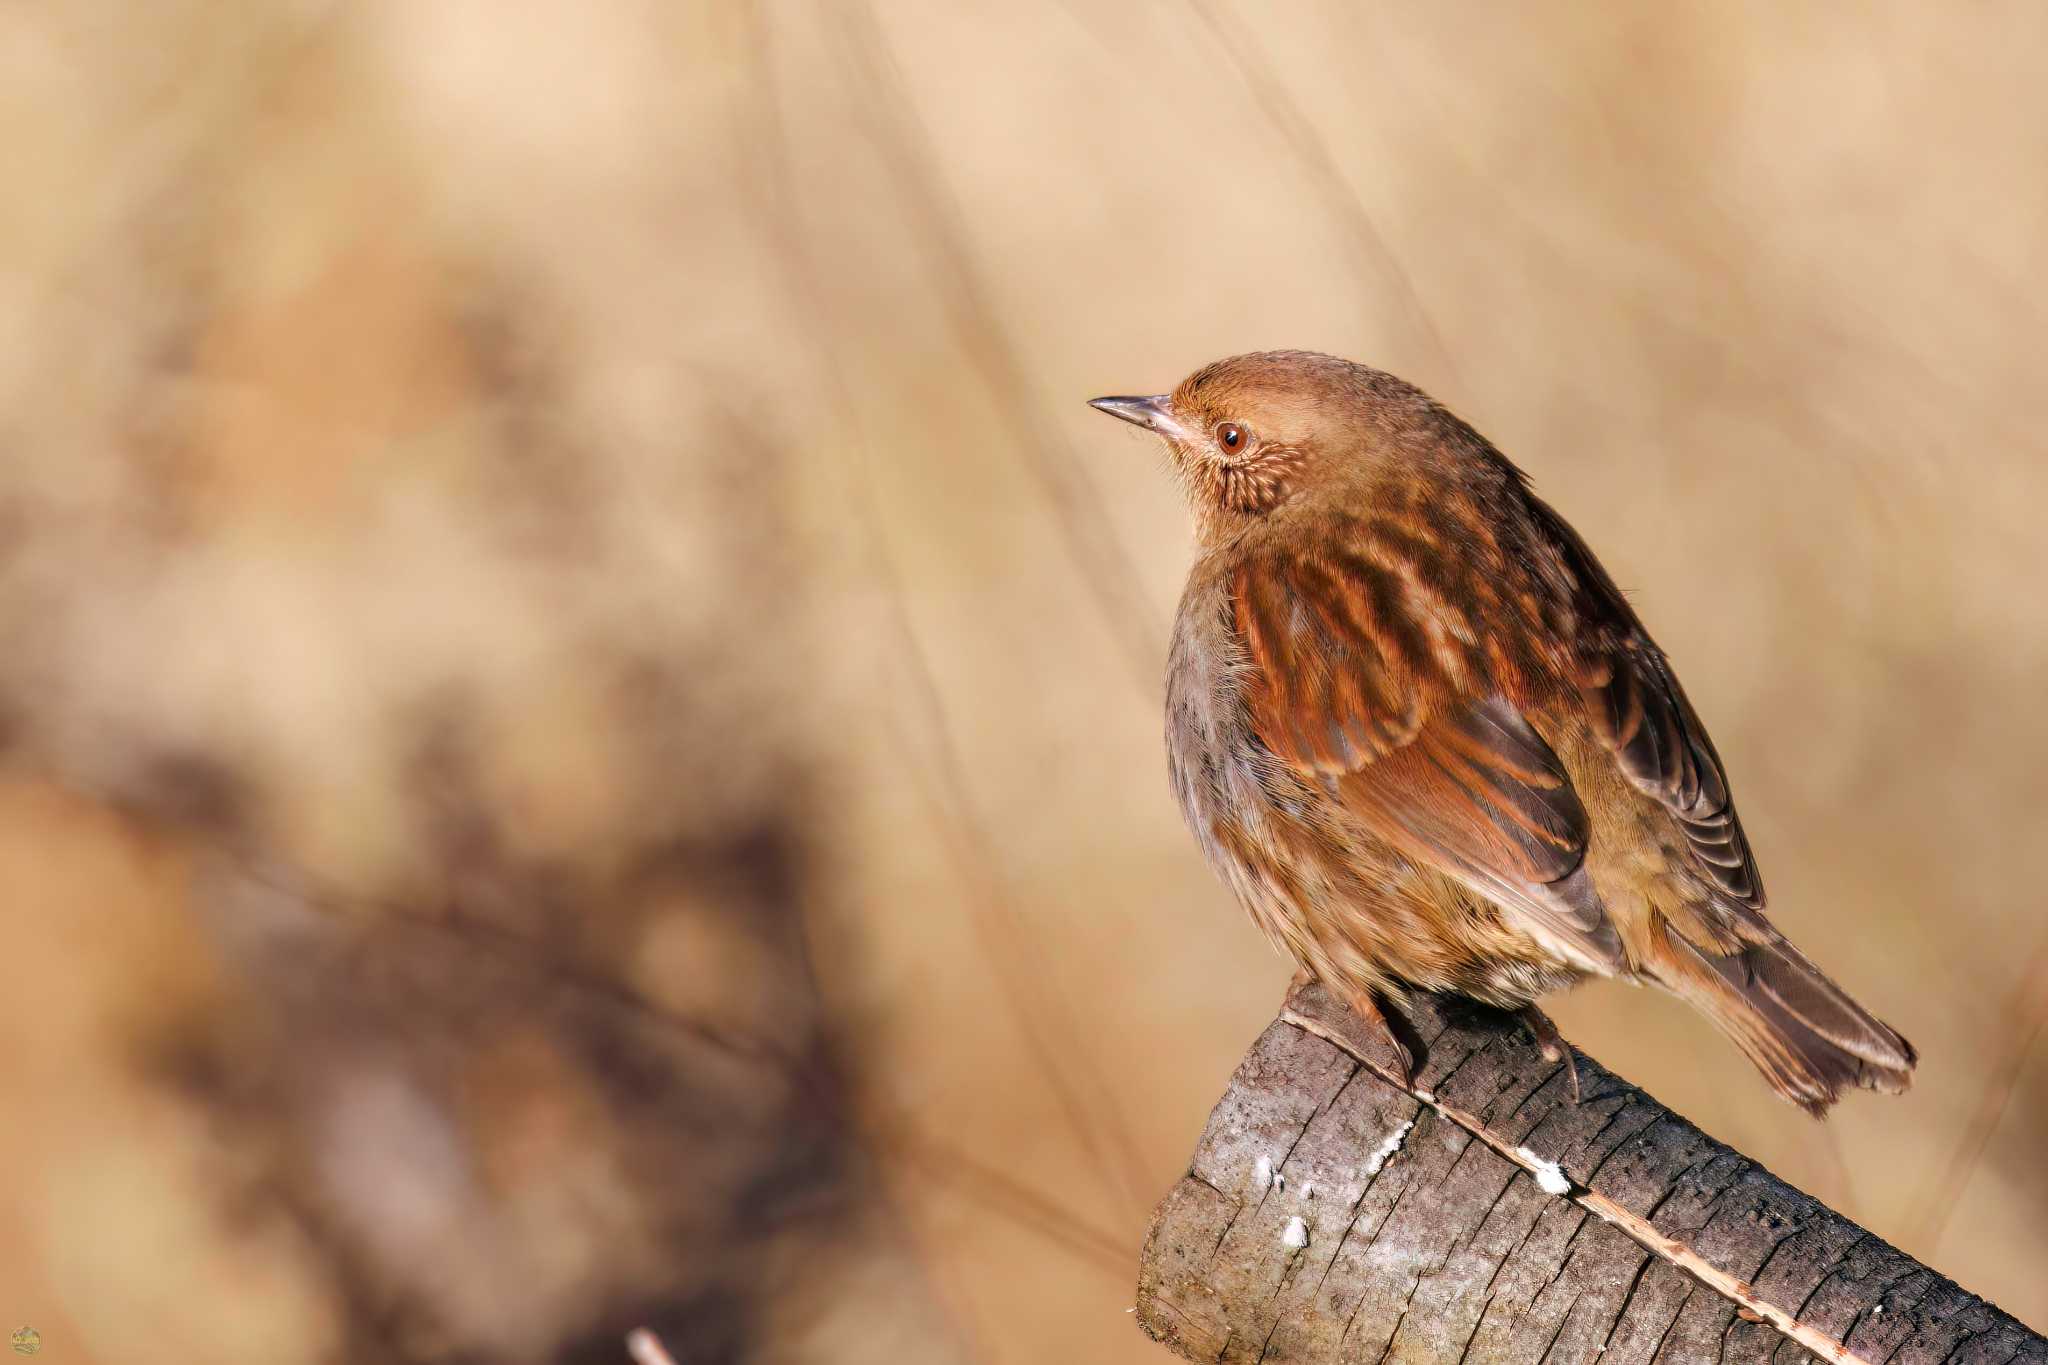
(1346, 688)
(1642, 713)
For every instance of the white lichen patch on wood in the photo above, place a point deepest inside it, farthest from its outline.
(1385, 1151)
(1550, 1176)
(1207, 1282)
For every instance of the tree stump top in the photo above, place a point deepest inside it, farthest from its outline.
(1329, 1214)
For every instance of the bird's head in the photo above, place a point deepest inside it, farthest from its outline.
(1255, 432)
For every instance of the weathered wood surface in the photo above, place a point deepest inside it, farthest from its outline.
(1425, 1235)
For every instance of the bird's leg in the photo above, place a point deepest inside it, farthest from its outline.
(1377, 1018)
(1356, 1020)
(1552, 1044)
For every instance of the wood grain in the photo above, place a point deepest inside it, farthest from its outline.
(1449, 1246)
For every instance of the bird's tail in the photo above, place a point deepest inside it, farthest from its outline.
(1800, 1029)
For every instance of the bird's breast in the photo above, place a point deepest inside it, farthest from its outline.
(1229, 788)
(1323, 888)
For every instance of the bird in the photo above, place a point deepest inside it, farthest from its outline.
(1427, 742)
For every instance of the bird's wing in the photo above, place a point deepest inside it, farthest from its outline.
(1642, 714)
(1802, 1030)
(1638, 709)
(1348, 686)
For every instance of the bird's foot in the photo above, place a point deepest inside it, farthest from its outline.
(1361, 1022)
(1552, 1045)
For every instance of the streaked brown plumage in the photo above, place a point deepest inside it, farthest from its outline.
(1424, 738)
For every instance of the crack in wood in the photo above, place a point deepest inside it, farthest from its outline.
(1628, 1297)
(1435, 1262)
(1562, 1323)
(1670, 1327)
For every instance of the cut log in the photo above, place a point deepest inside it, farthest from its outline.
(1332, 1215)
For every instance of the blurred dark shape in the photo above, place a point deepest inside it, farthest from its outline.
(413, 668)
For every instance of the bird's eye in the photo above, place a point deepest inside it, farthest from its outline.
(1231, 437)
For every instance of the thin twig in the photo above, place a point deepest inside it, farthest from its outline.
(1109, 573)
(646, 1348)
(1276, 97)
(1049, 1027)
(2030, 1011)
(1004, 1194)
(508, 946)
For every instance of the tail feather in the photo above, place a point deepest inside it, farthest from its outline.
(1801, 1030)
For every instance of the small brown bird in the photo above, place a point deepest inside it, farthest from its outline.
(1422, 735)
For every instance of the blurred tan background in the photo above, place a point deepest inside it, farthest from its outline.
(579, 710)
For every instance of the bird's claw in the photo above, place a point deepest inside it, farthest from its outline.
(1358, 1022)
(1552, 1045)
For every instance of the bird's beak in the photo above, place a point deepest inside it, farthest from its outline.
(1153, 414)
